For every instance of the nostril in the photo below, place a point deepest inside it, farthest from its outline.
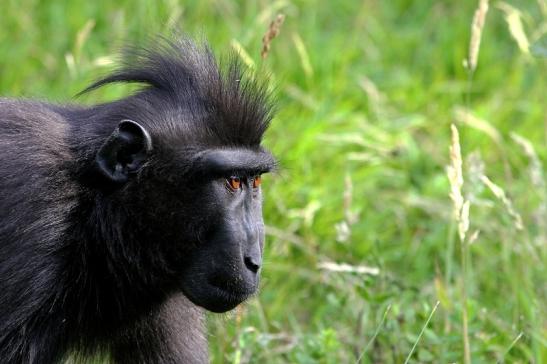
(251, 264)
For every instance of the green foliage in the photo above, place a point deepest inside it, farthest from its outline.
(367, 92)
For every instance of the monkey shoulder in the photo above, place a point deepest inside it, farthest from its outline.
(33, 181)
(32, 136)
(31, 121)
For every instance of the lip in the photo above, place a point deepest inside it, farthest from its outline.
(222, 299)
(232, 290)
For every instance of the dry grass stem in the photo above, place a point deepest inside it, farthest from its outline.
(343, 231)
(350, 216)
(271, 33)
(343, 228)
(463, 223)
(476, 32)
(537, 177)
(474, 236)
(455, 175)
(82, 36)
(375, 334)
(513, 343)
(513, 17)
(346, 268)
(475, 170)
(243, 54)
(422, 332)
(536, 168)
(303, 54)
(500, 195)
(467, 117)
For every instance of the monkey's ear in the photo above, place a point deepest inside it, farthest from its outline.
(124, 152)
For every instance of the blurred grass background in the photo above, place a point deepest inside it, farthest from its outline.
(367, 91)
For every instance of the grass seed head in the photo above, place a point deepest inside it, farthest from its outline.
(476, 32)
(271, 33)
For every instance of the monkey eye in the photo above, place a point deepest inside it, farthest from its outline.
(234, 183)
(257, 181)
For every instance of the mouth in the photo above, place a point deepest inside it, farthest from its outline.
(222, 298)
(220, 292)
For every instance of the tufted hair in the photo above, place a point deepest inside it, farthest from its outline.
(181, 77)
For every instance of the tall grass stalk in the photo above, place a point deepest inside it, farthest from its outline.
(461, 216)
(455, 175)
(422, 332)
(375, 334)
(511, 346)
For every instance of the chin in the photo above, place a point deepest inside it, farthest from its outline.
(219, 298)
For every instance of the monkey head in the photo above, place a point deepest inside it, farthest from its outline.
(182, 173)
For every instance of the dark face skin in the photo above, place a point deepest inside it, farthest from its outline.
(225, 269)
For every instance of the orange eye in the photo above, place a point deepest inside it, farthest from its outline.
(234, 183)
(257, 181)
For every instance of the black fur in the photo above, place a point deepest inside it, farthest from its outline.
(92, 264)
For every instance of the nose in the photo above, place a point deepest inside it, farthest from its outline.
(252, 251)
(252, 263)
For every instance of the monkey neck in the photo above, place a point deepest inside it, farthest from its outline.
(177, 325)
(105, 308)
(183, 327)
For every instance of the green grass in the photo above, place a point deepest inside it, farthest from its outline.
(367, 92)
